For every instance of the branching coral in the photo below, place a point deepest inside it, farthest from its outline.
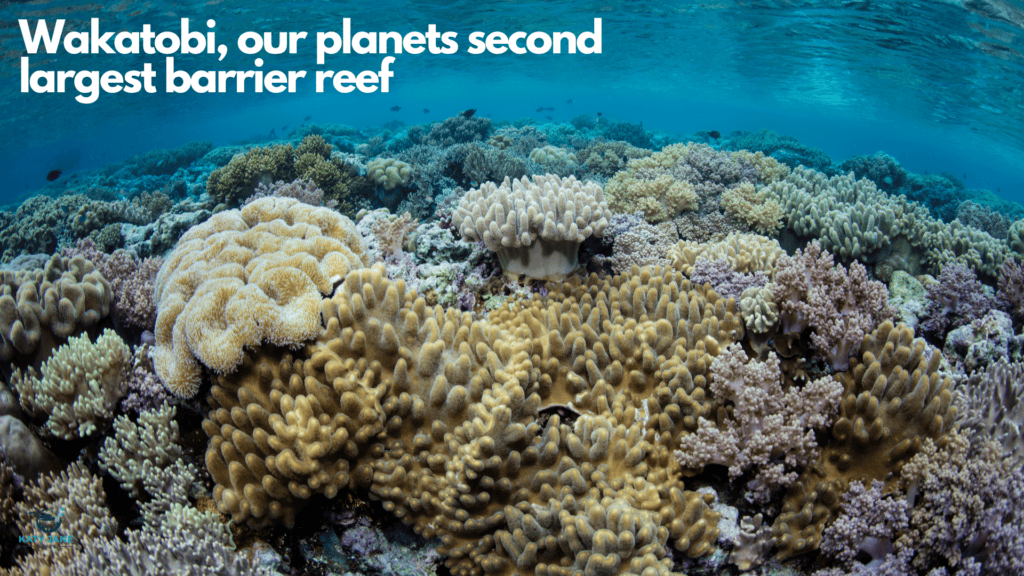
(995, 402)
(957, 299)
(311, 160)
(437, 415)
(757, 208)
(894, 399)
(678, 178)
(838, 307)
(966, 509)
(764, 427)
(136, 448)
(80, 385)
(869, 523)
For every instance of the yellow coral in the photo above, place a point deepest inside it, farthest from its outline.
(438, 415)
(768, 169)
(758, 209)
(894, 399)
(79, 387)
(746, 252)
(245, 277)
(389, 173)
(661, 198)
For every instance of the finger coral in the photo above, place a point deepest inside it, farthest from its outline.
(536, 226)
(894, 399)
(245, 277)
(438, 415)
(79, 387)
(65, 296)
(389, 173)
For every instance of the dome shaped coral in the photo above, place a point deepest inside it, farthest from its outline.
(246, 277)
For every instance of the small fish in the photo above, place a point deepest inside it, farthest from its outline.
(53, 175)
(426, 110)
(283, 128)
(469, 113)
(396, 108)
(550, 108)
(540, 109)
(549, 117)
(569, 101)
(715, 134)
(965, 175)
(598, 114)
(273, 133)
(307, 118)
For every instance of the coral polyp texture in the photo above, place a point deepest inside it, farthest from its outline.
(894, 399)
(78, 388)
(438, 415)
(245, 277)
(535, 225)
(389, 173)
(56, 301)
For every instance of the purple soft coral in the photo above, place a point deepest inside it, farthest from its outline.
(839, 307)
(957, 299)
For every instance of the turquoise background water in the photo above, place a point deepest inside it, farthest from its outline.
(939, 85)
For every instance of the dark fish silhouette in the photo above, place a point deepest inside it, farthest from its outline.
(273, 133)
(283, 128)
(540, 109)
(569, 101)
(426, 110)
(308, 117)
(598, 113)
(469, 113)
(53, 175)
(549, 117)
(550, 108)
(396, 108)
(715, 134)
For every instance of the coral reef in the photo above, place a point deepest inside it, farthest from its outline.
(451, 441)
(838, 307)
(894, 400)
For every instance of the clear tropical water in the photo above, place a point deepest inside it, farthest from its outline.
(936, 84)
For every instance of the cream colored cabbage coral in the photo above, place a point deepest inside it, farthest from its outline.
(536, 227)
(247, 277)
(79, 387)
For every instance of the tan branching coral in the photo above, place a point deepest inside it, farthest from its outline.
(536, 226)
(245, 277)
(895, 398)
(746, 252)
(755, 207)
(135, 449)
(79, 386)
(438, 415)
(311, 160)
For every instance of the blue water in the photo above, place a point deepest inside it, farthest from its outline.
(935, 84)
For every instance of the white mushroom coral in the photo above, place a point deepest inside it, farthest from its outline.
(537, 226)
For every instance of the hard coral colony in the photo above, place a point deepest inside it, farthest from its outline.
(559, 352)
